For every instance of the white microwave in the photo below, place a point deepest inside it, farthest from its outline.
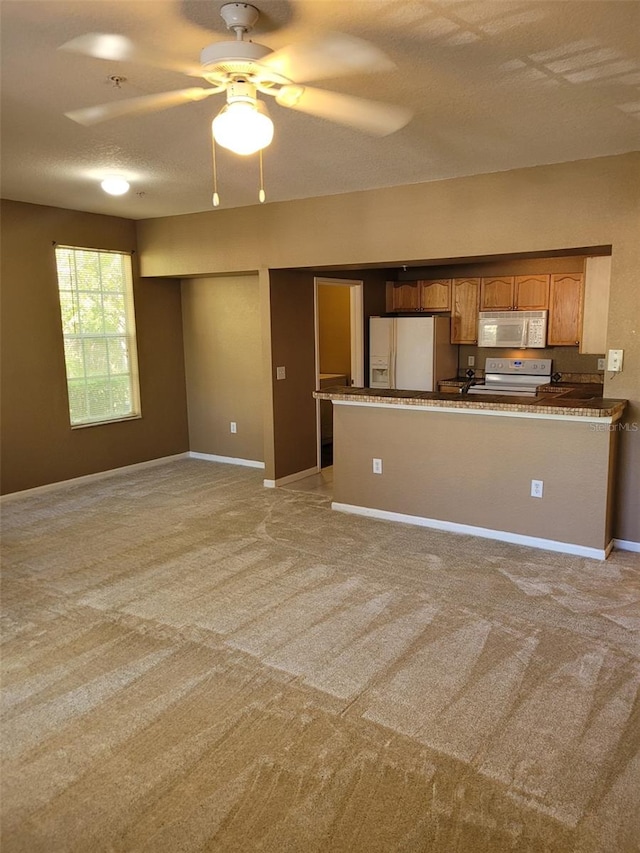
(513, 329)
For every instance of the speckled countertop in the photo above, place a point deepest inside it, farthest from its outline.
(545, 404)
(582, 381)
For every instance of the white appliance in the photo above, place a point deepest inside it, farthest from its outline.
(410, 353)
(514, 329)
(515, 377)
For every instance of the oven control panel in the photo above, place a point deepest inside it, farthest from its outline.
(528, 366)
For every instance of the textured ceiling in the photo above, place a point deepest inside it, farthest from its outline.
(494, 86)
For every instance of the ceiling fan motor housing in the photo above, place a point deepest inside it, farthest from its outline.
(228, 58)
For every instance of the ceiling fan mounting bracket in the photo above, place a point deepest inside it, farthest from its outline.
(239, 17)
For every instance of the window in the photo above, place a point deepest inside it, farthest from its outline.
(98, 325)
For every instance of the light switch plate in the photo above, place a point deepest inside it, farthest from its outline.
(377, 466)
(281, 373)
(614, 360)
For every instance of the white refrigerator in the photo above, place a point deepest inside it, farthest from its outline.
(411, 353)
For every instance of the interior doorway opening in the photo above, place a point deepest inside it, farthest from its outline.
(339, 342)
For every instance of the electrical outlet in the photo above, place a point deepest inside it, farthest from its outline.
(281, 373)
(536, 488)
(471, 361)
(614, 360)
(234, 426)
(602, 364)
(377, 466)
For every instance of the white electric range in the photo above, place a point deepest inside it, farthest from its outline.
(515, 377)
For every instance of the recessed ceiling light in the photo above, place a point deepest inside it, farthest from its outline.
(115, 185)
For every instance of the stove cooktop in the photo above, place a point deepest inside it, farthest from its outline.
(522, 391)
(514, 377)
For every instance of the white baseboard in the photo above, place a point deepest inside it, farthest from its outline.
(86, 478)
(626, 545)
(291, 478)
(484, 532)
(227, 460)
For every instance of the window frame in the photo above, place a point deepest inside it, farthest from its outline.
(129, 335)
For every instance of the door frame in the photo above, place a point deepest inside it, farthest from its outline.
(356, 323)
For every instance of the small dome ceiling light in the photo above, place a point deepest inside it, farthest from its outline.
(115, 185)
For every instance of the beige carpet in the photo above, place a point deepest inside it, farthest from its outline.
(195, 663)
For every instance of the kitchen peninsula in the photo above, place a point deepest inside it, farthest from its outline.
(467, 464)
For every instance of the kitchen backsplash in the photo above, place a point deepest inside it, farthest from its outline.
(566, 360)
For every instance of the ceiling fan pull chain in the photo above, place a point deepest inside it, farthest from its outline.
(216, 197)
(261, 194)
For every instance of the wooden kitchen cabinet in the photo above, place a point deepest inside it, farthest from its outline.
(427, 295)
(566, 293)
(403, 296)
(465, 301)
(496, 293)
(531, 292)
(435, 295)
(515, 293)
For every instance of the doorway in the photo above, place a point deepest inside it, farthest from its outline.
(339, 343)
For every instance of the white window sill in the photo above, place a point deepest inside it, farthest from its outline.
(135, 417)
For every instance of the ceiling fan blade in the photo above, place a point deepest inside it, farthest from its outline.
(137, 106)
(372, 117)
(117, 48)
(331, 55)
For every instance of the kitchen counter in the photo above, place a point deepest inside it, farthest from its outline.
(565, 404)
(469, 464)
(574, 390)
(577, 386)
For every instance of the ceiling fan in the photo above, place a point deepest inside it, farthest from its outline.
(242, 69)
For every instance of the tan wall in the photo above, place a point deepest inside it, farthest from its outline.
(501, 266)
(546, 208)
(334, 329)
(288, 338)
(223, 362)
(292, 347)
(541, 209)
(38, 444)
(483, 481)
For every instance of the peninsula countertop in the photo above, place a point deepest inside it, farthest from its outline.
(559, 404)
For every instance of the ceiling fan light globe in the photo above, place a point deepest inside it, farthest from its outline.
(243, 128)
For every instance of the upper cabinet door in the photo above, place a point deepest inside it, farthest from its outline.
(532, 292)
(496, 293)
(435, 295)
(465, 299)
(565, 309)
(405, 296)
